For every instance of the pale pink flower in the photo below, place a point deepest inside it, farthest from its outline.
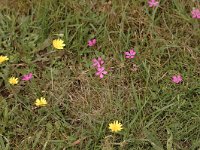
(92, 42)
(177, 79)
(97, 62)
(101, 72)
(130, 54)
(195, 13)
(27, 77)
(153, 3)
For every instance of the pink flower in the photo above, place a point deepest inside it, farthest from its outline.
(195, 13)
(177, 79)
(153, 3)
(97, 62)
(27, 77)
(130, 54)
(101, 72)
(92, 42)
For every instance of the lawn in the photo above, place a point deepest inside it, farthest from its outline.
(143, 71)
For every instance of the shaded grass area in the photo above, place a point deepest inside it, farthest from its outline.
(155, 113)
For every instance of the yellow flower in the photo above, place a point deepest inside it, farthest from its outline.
(3, 58)
(58, 44)
(115, 126)
(41, 102)
(13, 80)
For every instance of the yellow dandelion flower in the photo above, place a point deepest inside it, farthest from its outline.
(41, 102)
(3, 58)
(13, 80)
(115, 126)
(58, 43)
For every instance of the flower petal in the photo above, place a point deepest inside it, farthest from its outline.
(104, 72)
(127, 53)
(101, 76)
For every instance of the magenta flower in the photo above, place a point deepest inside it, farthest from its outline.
(97, 62)
(153, 3)
(177, 79)
(92, 42)
(195, 13)
(27, 77)
(101, 72)
(130, 54)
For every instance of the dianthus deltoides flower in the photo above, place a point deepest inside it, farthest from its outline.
(101, 72)
(115, 126)
(130, 54)
(97, 63)
(177, 79)
(92, 42)
(27, 77)
(195, 13)
(153, 3)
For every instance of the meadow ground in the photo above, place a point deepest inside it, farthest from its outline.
(156, 113)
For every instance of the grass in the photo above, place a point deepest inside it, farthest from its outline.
(155, 113)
